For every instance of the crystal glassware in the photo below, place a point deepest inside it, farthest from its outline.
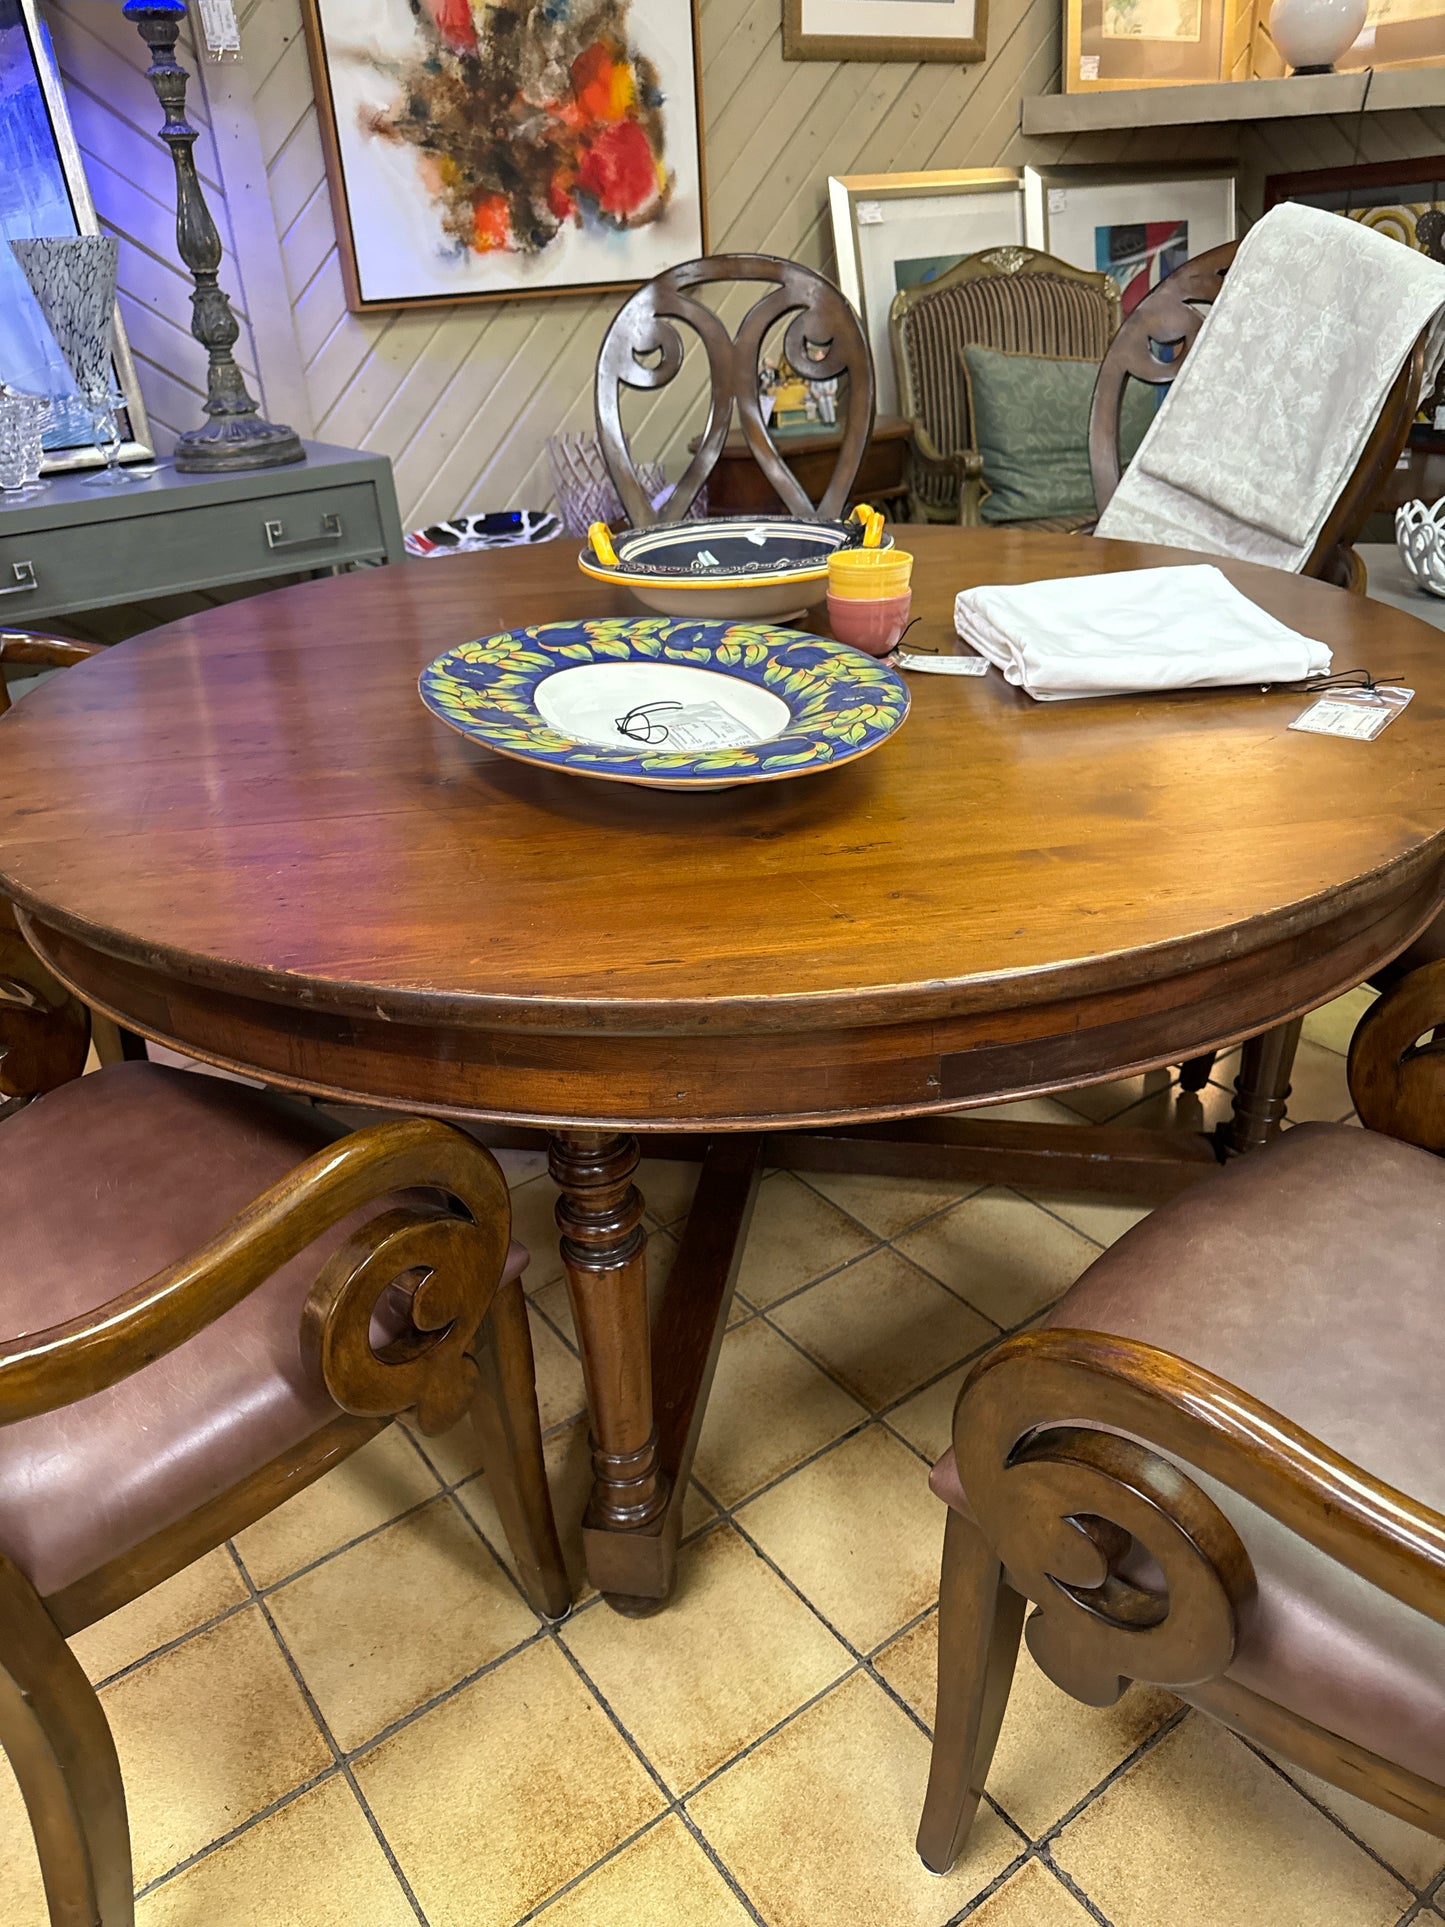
(22, 425)
(73, 279)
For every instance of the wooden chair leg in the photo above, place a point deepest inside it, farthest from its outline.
(55, 1735)
(505, 1415)
(1194, 1074)
(980, 1618)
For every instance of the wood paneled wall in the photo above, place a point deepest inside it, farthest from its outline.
(462, 399)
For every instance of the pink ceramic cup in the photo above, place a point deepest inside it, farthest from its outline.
(874, 626)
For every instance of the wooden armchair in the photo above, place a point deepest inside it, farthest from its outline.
(1014, 299)
(1170, 317)
(211, 1298)
(643, 350)
(1220, 1467)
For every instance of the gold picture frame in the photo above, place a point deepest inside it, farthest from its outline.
(1111, 44)
(911, 30)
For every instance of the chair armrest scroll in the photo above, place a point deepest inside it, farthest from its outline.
(47, 1369)
(1397, 1061)
(24, 648)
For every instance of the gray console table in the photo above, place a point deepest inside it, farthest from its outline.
(67, 548)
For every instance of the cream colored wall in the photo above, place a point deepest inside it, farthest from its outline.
(462, 399)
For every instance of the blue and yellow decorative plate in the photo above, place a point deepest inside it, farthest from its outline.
(672, 704)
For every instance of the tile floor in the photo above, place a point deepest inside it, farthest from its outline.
(349, 1718)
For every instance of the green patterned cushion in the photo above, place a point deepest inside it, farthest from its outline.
(1030, 417)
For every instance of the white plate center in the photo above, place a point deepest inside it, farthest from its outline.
(629, 705)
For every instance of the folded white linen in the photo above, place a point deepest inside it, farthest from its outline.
(1134, 631)
(1266, 421)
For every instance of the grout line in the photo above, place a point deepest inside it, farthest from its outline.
(1335, 1820)
(287, 1799)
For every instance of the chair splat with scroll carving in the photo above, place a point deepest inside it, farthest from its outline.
(644, 350)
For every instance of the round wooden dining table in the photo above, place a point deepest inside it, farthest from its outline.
(242, 835)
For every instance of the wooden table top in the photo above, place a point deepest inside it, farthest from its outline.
(244, 833)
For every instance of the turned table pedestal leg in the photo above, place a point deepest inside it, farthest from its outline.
(1261, 1089)
(604, 1249)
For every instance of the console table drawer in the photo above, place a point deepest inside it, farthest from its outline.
(129, 557)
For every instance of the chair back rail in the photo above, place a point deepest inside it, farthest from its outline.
(1170, 316)
(643, 350)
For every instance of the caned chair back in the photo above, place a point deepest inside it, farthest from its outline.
(643, 349)
(1014, 299)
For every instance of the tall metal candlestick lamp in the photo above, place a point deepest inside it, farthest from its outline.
(235, 436)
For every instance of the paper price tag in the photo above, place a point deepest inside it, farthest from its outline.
(941, 665)
(1088, 66)
(705, 726)
(218, 24)
(1058, 200)
(870, 214)
(1359, 714)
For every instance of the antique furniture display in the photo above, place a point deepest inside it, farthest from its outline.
(1135, 224)
(348, 898)
(1156, 43)
(644, 349)
(896, 231)
(738, 485)
(952, 30)
(748, 567)
(235, 435)
(238, 1296)
(47, 195)
(171, 533)
(1208, 1472)
(1014, 300)
(666, 704)
(443, 191)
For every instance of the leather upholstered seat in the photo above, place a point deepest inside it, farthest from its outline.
(104, 1182)
(1312, 1276)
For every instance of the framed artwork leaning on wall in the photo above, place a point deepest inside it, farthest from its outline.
(1137, 224)
(955, 30)
(468, 164)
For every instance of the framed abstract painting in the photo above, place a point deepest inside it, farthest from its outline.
(479, 152)
(910, 30)
(1136, 224)
(43, 192)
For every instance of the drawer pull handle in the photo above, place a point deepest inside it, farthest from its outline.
(25, 579)
(277, 538)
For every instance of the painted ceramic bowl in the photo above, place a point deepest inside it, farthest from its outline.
(746, 566)
(1420, 538)
(670, 704)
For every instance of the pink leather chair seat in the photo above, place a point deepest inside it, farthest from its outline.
(102, 1183)
(1312, 1275)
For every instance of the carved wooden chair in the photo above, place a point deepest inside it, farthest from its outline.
(1014, 299)
(1220, 1467)
(643, 350)
(212, 1297)
(1170, 317)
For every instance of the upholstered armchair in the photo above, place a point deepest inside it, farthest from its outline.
(1219, 1466)
(1015, 300)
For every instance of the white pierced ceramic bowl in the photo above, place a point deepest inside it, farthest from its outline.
(1420, 538)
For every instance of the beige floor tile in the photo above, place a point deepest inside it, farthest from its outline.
(316, 1863)
(506, 1792)
(384, 1478)
(795, 1235)
(534, 1224)
(887, 1205)
(770, 1407)
(664, 1879)
(1002, 1254)
(881, 1327)
(910, 1666)
(816, 1824)
(520, 1167)
(208, 1734)
(561, 1393)
(1029, 1110)
(1033, 1897)
(1333, 1025)
(735, 1652)
(858, 1532)
(192, 1596)
(1101, 1102)
(1201, 1830)
(456, 1454)
(1177, 1110)
(392, 1622)
(1101, 1218)
(1415, 1855)
(20, 1882)
(667, 1186)
(926, 1419)
(1318, 1086)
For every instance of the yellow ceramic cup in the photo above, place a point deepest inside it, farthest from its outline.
(869, 575)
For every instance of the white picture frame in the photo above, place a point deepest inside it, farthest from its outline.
(886, 225)
(1070, 211)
